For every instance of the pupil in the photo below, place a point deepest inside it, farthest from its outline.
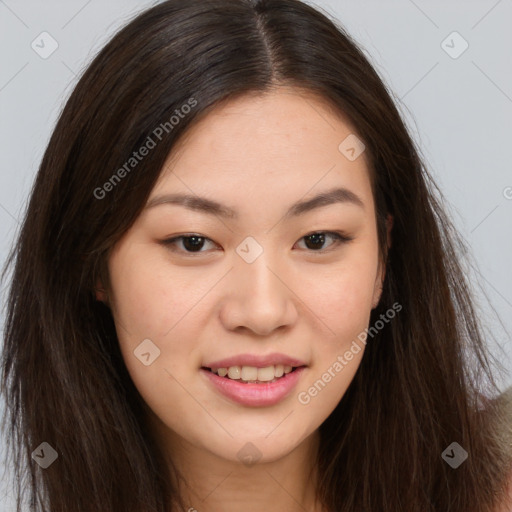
(193, 242)
(317, 237)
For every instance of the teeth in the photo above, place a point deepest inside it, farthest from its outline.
(253, 374)
(266, 374)
(250, 373)
(234, 372)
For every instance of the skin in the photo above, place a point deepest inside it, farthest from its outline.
(257, 155)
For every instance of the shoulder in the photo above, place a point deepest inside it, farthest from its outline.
(506, 505)
(505, 404)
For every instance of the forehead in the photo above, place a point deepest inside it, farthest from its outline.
(272, 148)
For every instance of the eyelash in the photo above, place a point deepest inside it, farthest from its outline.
(340, 238)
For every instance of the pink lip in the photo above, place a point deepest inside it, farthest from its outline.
(254, 360)
(255, 395)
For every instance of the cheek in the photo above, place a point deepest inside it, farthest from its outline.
(327, 383)
(151, 304)
(341, 296)
(341, 299)
(337, 353)
(148, 300)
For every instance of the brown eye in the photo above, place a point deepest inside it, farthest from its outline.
(190, 243)
(315, 241)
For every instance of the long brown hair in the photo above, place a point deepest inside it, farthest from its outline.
(422, 377)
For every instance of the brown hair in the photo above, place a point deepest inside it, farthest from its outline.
(422, 377)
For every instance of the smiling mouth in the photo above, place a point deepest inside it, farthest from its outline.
(252, 374)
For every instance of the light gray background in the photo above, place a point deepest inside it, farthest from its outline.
(458, 109)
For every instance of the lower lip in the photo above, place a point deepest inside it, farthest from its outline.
(255, 395)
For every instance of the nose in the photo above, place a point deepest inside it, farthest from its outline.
(260, 299)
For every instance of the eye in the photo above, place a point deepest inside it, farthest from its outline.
(193, 243)
(317, 239)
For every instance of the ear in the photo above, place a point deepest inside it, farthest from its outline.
(100, 292)
(381, 271)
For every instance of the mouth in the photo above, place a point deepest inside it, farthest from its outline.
(253, 386)
(253, 374)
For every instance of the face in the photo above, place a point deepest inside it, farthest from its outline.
(254, 279)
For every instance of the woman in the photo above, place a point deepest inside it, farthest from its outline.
(235, 286)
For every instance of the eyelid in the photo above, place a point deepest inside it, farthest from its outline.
(170, 242)
(340, 238)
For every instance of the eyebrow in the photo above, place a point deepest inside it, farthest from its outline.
(211, 207)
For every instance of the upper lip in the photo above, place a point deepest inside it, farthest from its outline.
(255, 360)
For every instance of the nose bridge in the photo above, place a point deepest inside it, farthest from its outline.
(261, 301)
(257, 273)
